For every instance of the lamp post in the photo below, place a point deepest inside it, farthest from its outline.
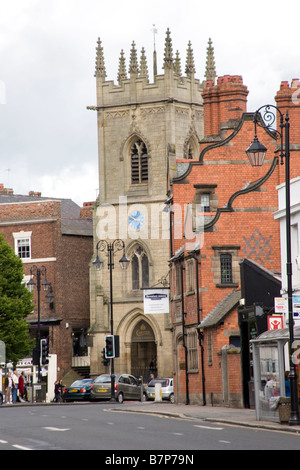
(256, 152)
(38, 273)
(111, 248)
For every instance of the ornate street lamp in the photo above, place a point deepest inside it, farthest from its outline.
(255, 153)
(38, 273)
(111, 249)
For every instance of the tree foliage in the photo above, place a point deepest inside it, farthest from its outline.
(15, 305)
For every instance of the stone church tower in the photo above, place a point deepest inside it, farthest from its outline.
(143, 128)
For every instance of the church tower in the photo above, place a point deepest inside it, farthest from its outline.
(143, 129)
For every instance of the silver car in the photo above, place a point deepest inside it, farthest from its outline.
(167, 389)
(127, 387)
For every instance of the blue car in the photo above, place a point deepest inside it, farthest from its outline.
(78, 390)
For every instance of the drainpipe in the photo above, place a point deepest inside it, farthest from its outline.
(187, 399)
(200, 333)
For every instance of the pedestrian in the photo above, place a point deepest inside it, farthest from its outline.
(152, 366)
(15, 382)
(151, 377)
(8, 388)
(22, 386)
(287, 384)
(57, 391)
(25, 387)
(61, 387)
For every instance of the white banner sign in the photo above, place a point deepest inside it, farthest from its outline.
(280, 305)
(156, 301)
(296, 305)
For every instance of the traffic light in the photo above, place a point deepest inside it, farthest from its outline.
(44, 351)
(35, 356)
(104, 360)
(109, 347)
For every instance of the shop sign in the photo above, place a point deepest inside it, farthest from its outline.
(156, 301)
(280, 305)
(296, 305)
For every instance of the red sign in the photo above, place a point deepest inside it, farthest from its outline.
(275, 322)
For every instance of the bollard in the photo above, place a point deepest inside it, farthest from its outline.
(158, 392)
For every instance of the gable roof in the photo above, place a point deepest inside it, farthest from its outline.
(217, 315)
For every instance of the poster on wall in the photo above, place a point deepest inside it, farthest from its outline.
(156, 301)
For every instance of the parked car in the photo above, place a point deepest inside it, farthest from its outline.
(1, 398)
(127, 387)
(167, 389)
(78, 390)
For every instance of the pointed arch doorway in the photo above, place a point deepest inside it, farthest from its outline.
(143, 350)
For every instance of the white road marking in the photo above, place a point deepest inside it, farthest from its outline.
(56, 429)
(3, 442)
(207, 427)
(21, 447)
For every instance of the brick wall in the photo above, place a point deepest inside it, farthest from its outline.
(66, 258)
(244, 221)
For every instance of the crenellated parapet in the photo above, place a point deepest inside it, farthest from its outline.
(133, 85)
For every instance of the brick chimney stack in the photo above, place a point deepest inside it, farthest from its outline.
(223, 102)
(4, 190)
(288, 99)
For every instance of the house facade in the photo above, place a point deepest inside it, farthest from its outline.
(223, 213)
(54, 236)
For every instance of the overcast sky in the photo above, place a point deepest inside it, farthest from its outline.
(48, 139)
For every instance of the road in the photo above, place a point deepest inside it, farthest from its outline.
(103, 426)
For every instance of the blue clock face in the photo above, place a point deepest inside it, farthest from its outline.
(136, 220)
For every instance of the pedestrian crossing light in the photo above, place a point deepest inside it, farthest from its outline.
(44, 351)
(104, 360)
(109, 347)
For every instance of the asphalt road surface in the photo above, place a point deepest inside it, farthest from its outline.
(103, 426)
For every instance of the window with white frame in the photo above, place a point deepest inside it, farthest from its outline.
(23, 244)
(205, 202)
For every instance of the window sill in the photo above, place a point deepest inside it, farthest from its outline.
(232, 285)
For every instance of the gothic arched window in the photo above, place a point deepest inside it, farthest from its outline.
(139, 269)
(139, 162)
(191, 148)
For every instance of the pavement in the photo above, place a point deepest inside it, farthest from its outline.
(213, 414)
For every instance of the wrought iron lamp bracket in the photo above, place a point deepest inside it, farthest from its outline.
(265, 117)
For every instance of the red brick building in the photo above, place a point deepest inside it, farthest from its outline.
(223, 213)
(55, 234)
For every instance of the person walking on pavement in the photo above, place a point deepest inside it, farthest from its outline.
(57, 391)
(8, 389)
(22, 387)
(15, 382)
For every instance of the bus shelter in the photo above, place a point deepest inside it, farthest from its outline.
(270, 369)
